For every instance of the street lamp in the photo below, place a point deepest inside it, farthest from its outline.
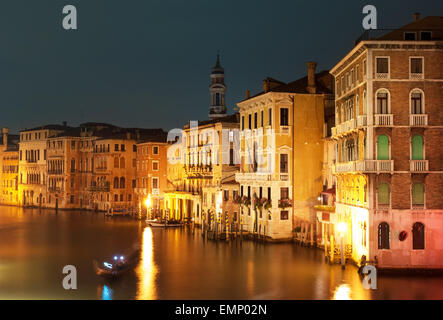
(341, 228)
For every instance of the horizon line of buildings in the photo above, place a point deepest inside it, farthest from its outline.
(353, 153)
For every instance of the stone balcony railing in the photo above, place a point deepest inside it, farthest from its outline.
(419, 165)
(416, 76)
(261, 176)
(383, 119)
(369, 166)
(418, 120)
(362, 121)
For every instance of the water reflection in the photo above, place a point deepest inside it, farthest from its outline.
(175, 264)
(147, 269)
(106, 293)
(343, 292)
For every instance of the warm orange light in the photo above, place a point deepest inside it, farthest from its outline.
(341, 227)
(148, 201)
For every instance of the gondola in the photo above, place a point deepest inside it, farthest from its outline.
(119, 266)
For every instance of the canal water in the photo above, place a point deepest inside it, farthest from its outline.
(175, 264)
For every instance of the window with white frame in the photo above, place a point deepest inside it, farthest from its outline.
(416, 102)
(382, 68)
(416, 68)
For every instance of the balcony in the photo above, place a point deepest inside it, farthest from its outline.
(254, 176)
(285, 129)
(383, 119)
(382, 76)
(419, 165)
(369, 166)
(416, 76)
(418, 120)
(344, 127)
(362, 121)
(104, 188)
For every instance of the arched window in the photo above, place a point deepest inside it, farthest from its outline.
(122, 182)
(417, 147)
(116, 162)
(383, 236)
(383, 196)
(122, 162)
(418, 236)
(416, 102)
(115, 183)
(383, 147)
(217, 99)
(418, 194)
(382, 102)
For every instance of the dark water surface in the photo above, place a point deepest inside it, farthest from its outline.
(175, 264)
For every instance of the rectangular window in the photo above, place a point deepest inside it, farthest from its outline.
(426, 35)
(418, 194)
(226, 195)
(283, 163)
(250, 121)
(155, 150)
(243, 122)
(416, 65)
(284, 193)
(122, 147)
(269, 193)
(364, 67)
(255, 120)
(284, 215)
(134, 148)
(382, 65)
(154, 165)
(261, 118)
(284, 116)
(154, 183)
(116, 147)
(410, 36)
(270, 117)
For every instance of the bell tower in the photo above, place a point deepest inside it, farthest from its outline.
(217, 90)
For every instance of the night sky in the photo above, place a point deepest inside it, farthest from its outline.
(146, 63)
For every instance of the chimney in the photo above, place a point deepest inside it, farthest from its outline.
(5, 137)
(266, 85)
(311, 76)
(248, 94)
(65, 124)
(416, 16)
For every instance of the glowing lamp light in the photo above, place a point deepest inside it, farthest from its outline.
(341, 227)
(148, 201)
(107, 265)
(121, 257)
(115, 258)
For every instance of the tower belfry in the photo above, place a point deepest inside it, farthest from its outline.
(217, 91)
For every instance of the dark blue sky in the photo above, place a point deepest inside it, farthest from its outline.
(146, 63)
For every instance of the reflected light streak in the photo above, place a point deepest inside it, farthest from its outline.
(147, 270)
(343, 292)
(106, 293)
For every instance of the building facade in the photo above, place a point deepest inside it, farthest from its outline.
(388, 133)
(281, 155)
(152, 165)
